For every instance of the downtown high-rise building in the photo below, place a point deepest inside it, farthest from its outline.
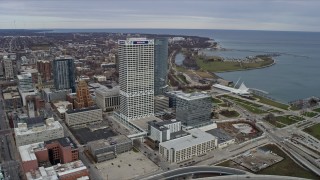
(8, 68)
(136, 78)
(160, 65)
(44, 68)
(64, 74)
(83, 98)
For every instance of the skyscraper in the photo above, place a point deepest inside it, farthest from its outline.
(64, 74)
(8, 68)
(83, 98)
(136, 78)
(44, 68)
(160, 65)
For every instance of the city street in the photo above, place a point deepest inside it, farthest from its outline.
(8, 151)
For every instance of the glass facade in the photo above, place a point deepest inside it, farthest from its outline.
(64, 74)
(160, 65)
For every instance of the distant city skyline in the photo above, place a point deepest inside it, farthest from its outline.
(283, 15)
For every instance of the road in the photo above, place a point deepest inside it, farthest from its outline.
(195, 170)
(8, 151)
(252, 176)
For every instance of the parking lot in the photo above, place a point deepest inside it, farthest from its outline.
(126, 166)
(257, 159)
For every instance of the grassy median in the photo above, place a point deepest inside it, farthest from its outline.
(271, 102)
(313, 131)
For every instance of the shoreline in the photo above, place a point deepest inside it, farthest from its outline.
(248, 69)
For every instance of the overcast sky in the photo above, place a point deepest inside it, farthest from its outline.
(291, 15)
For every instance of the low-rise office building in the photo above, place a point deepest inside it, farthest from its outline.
(108, 97)
(12, 100)
(61, 107)
(106, 149)
(32, 154)
(161, 131)
(83, 117)
(187, 147)
(224, 139)
(37, 131)
(69, 171)
(62, 150)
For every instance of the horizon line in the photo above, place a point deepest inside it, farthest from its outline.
(158, 29)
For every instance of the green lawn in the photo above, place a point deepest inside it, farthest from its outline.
(181, 69)
(317, 110)
(276, 124)
(294, 108)
(285, 120)
(309, 114)
(215, 100)
(274, 111)
(252, 109)
(242, 101)
(282, 121)
(313, 131)
(271, 102)
(220, 66)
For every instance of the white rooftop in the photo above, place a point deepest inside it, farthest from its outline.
(62, 103)
(243, 90)
(105, 91)
(191, 96)
(196, 137)
(27, 151)
(63, 169)
(42, 174)
(49, 124)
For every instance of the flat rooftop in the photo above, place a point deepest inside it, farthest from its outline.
(143, 122)
(27, 151)
(108, 90)
(188, 96)
(85, 135)
(98, 144)
(220, 134)
(63, 169)
(65, 142)
(71, 111)
(7, 96)
(196, 137)
(128, 165)
(160, 125)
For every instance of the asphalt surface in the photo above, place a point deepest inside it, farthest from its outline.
(196, 170)
(9, 161)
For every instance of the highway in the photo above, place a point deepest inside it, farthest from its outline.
(195, 170)
(251, 176)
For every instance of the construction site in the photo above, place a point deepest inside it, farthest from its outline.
(241, 130)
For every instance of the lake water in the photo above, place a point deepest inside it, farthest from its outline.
(296, 73)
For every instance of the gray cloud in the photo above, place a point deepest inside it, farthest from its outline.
(203, 14)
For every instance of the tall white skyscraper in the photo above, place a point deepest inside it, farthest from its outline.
(136, 78)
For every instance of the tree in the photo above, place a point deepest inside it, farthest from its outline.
(137, 143)
(270, 117)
